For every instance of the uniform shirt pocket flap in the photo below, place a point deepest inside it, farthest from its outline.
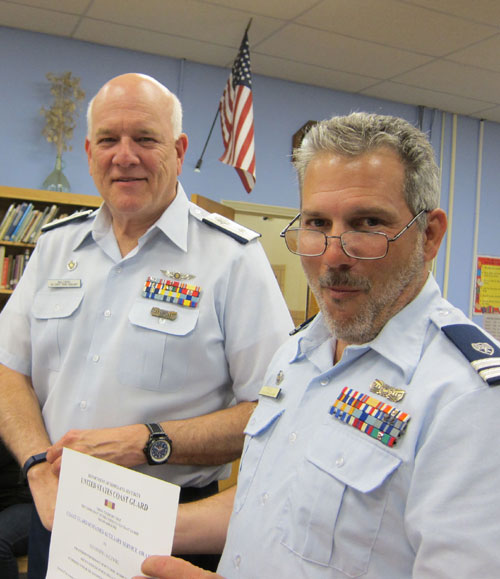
(351, 460)
(262, 418)
(168, 319)
(59, 303)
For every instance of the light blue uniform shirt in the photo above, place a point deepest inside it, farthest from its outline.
(99, 358)
(319, 498)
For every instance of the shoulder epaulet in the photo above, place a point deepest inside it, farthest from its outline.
(78, 216)
(482, 353)
(302, 326)
(235, 230)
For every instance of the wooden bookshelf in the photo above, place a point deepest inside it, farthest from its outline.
(67, 202)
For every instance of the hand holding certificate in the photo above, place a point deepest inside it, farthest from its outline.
(108, 519)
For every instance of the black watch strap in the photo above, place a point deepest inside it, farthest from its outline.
(32, 460)
(155, 428)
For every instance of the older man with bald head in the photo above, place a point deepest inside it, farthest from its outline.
(125, 338)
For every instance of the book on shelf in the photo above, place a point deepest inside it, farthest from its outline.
(20, 227)
(2, 258)
(7, 219)
(49, 216)
(18, 266)
(18, 213)
(13, 267)
(6, 269)
(33, 226)
(24, 234)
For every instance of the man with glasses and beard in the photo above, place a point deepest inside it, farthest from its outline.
(371, 451)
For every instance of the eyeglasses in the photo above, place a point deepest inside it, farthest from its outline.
(356, 244)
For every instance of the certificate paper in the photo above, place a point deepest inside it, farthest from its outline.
(108, 519)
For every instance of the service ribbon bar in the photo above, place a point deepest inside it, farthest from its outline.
(373, 417)
(174, 292)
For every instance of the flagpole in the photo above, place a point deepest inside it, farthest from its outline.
(200, 160)
(199, 163)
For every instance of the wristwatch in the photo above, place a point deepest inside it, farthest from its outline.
(32, 460)
(159, 445)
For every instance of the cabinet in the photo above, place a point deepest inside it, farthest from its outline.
(68, 203)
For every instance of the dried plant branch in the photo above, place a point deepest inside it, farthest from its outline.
(60, 118)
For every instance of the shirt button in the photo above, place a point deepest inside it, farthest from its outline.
(444, 312)
(107, 313)
(264, 498)
(118, 270)
(325, 381)
(339, 462)
(57, 307)
(83, 404)
(292, 437)
(95, 358)
(237, 561)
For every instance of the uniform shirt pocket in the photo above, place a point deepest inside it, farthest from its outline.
(53, 311)
(258, 431)
(153, 343)
(335, 506)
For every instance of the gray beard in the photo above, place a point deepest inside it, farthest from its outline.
(366, 324)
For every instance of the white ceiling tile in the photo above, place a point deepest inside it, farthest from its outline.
(490, 114)
(215, 24)
(486, 11)
(307, 74)
(338, 52)
(484, 54)
(36, 19)
(68, 6)
(282, 10)
(153, 42)
(454, 78)
(428, 98)
(397, 24)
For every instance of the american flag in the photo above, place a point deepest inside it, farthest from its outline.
(236, 117)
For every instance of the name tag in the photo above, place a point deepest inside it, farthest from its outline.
(61, 283)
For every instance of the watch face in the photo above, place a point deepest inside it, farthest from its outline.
(159, 451)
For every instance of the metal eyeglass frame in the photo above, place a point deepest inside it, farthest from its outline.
(342, 245)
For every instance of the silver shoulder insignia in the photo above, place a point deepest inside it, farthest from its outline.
(235, 230)
(78, 216)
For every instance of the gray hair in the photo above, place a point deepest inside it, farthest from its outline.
(176, 108)
(360, 133)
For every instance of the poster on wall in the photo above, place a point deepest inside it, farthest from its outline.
(487, 293)
(487, 298)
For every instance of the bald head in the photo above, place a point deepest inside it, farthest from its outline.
(145, 89)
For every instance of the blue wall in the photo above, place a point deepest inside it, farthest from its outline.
(280, 108)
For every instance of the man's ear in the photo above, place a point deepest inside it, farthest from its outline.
(434, 233)
(181, 146)
(88, 150)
